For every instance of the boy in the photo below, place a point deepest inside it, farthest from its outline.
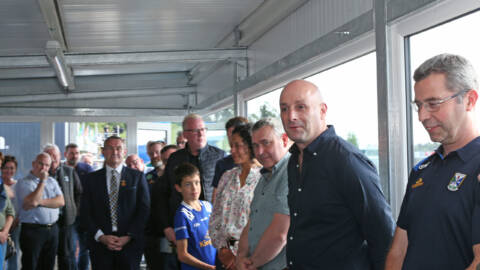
(194, 247)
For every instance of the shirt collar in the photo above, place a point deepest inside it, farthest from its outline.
(465, 153)
(315, 144)
(275, 167)
(118, 169)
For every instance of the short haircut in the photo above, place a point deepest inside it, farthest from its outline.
(44, 154)
(244, 133)
(168, 147)
(459, 72)
(185, 170)
(50, 146)
(70, 145)
(9, 158)
(190, 116)
(152, 143)
(236, 121)
(113, 137)
(273, 123)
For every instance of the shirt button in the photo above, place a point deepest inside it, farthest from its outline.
(263, 193)
(314, 153)
(294, 214)
(298, 165)
(291, 237)
(299, 189)
(291, 263)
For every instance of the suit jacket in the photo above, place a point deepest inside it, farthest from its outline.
(133, 205)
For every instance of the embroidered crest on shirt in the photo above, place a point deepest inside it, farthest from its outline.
(418, 183)
(456, 181)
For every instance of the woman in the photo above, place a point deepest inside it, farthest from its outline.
(234, 195)
(9, 169)
(7, 214)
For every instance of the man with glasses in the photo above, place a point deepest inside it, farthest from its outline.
(439, 222)
(196, 152)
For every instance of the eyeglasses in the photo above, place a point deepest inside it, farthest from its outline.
(434, 105)
(197, 130)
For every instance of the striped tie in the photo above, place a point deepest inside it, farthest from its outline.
(113, 196)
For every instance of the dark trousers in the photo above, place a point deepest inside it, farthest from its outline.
(39, 246)
(66, 249)
(126, 259)
(157, 260)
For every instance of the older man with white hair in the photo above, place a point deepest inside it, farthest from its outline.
(69, 182)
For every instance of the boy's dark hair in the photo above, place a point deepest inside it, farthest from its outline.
(184, 170)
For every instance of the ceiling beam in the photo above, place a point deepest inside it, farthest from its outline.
(83, 112)
(86, 59)
(53, 20)
(97, 95)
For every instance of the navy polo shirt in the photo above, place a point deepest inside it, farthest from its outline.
(339, 218)
(441, 210)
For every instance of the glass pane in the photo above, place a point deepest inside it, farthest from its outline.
(216, 134)
(352, 102)
(21, 140)
(455, 37)
(89, 136)
(152, 131)
(264, 106)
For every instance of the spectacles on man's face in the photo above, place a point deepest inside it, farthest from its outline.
(434, 104)
(197, 130)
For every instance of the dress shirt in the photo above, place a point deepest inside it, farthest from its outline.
(40, 214)
(118, 174)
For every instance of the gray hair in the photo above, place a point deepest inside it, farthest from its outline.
(273, 123)
(190, 116)
(459, 72)
(50, 146)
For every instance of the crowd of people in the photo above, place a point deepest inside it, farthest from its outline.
(291, 195)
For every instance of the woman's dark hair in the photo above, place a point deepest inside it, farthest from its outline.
(184, 170)
(244, 132)
(9, 159)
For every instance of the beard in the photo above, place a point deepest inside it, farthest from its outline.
(157, 163)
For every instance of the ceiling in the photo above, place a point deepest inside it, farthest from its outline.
(69, 57)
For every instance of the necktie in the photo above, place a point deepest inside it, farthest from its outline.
(113, 197)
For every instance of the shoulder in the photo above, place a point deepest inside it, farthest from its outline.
(207, 206)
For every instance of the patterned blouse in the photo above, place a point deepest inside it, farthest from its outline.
(232, 207)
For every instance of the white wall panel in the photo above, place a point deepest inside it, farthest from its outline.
(308, 23)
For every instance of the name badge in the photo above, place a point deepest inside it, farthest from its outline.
(66, 179)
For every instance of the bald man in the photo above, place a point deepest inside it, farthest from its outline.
(135, 162)
(337, 209)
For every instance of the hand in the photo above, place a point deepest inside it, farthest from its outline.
(111, 241)
(226, 257)
(243, 263)
(43, 175)
(123, 240)
(170, 235)
(3, 237)
(475, 265)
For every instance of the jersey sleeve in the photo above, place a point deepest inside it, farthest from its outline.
(181, 224)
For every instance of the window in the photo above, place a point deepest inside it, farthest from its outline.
(350, 92)
(264, 106)
(215, 122)
(457, 37)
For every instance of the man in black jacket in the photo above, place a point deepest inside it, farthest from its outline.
(196, 152)
(71, 186)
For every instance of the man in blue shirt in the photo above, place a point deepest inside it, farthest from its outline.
(339, 218)
(40, 197)
(439, 222)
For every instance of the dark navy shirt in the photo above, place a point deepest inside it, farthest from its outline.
(441, 210)
(339, 218)
(222, 166)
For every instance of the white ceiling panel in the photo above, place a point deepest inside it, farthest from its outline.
(150, 25)
(22, 28)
